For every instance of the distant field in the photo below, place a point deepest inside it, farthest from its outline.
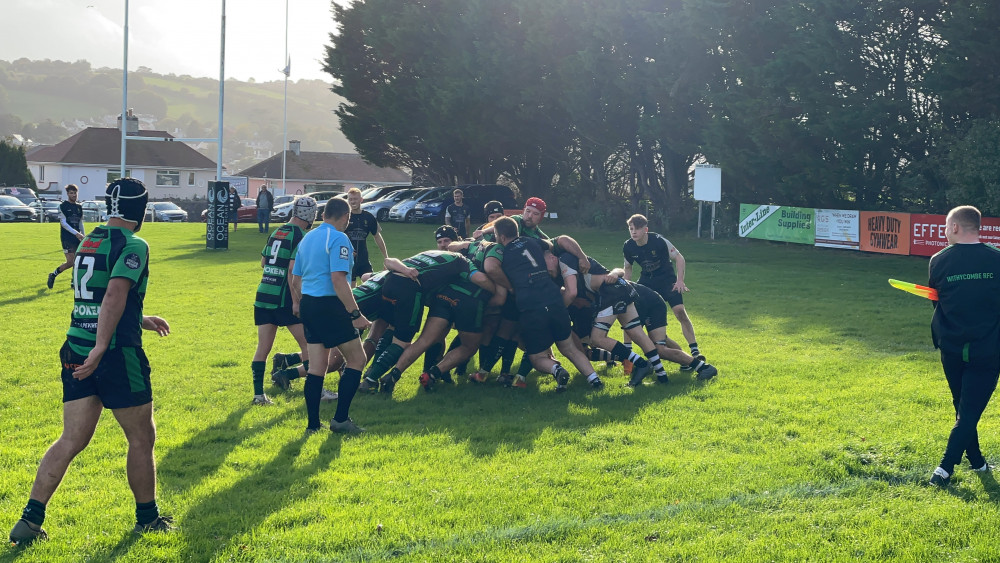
(814, 442)
(35, 107)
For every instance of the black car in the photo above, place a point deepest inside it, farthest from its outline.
(475, 196)
(52, 214)
(12, 210)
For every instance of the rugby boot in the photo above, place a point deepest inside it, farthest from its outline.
(25, 532)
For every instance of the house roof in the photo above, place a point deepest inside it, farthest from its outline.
(102, 146)
(325, 166)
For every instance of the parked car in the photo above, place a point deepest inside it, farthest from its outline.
(247, 213)
(13, 210)
(404, 210)
(286, 198)
(51, 210)
(165, 211)
(94, 211)
(380, 207)
(378, 192)
(24, 195)
(321, 199)
(475, 196)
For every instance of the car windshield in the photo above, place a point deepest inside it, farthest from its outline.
(369, 193)
(166, 206)
(400, 196)
(9, 200)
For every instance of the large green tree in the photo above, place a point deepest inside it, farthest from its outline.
(14, 166)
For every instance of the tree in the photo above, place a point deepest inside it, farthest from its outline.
(14, 166)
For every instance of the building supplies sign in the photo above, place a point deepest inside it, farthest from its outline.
(775, 222)
(837, 228)
(888, 233)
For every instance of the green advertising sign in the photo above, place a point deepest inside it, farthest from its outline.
(777, 222)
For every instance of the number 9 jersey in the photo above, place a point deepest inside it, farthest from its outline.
(106, 253)
(278, 253)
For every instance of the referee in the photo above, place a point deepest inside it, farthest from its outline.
(322, 298)
(966, 328)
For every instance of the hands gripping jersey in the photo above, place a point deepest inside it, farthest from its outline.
(478, 251)
(280, 250)
(524, 266)
(654, 257)
(104, 254)
(439, 267)
(583, 289)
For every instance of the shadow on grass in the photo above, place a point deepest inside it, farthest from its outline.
(24, 298)
(990, 485)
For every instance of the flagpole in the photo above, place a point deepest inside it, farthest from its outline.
(287, 71)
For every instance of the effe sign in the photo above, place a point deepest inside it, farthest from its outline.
(888, 233)
(927, 234)
(217, 218)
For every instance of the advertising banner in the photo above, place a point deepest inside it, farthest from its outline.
(927, 234)
(888, 233)
(217, 218)
(776, 222)
(989, 231)
(838, 228)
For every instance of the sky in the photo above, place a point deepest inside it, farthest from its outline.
(172, 36)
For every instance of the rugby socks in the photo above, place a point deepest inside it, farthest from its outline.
(434, 372)
(433, 355)
(146, 512)
(395, 374)
(383, 343)
(621, 352)
(312, 390)
(555, 368)
(346, 390)
(258, 377)
(384, 361)
(507, 359)
(600, 355)
(592, 377)
(654, 359)
(525, 368)
(694, 349)
(488, 354)
(34, 512)
(293, 359)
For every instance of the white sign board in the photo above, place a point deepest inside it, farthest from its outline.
(838, 228)
(242, 184)
(708, 183)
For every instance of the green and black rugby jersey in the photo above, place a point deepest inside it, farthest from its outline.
(479, 250)
(273, 292)
(106, 253)
(533, 232)
(438, 267)
(369, 293)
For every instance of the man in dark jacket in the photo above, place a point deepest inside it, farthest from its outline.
(234, 204)
(265, 203)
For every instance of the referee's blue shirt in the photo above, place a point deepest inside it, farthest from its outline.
(323, 250)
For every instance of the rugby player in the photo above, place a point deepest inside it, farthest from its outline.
(654, 253)
(322, 298)
(272, 307)
(103, 363)
(70, 231)
(361, 225)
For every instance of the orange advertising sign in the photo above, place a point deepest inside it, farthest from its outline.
(888, 233)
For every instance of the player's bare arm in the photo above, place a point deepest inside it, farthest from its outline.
(483, 281)
(156, 324)
(495, 270)
(680, 266)
(570, 245)
(295, 288)
(380, 242)
(627, 269)
(396, 265)
(112, 307)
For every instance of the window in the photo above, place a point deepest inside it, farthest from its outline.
(113, 174)
(190, 178)
(169, 178)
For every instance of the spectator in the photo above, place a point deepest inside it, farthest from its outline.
(265, 203)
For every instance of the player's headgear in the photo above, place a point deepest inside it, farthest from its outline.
(126, 199)
(537, 203)
(304, 208)
(492, 207)
(446, 231)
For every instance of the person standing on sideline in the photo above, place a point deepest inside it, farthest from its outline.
(654, 253)
(265, 203)
(103, 364)
(322, 298)
(966, 328)
(457, 214)
(70, 231)
(361, 225)
(234, 204)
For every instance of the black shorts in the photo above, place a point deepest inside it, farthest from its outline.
(69, 242)
(281, 316)
(458, 307)
(541, 328)
(509, 310)
(652, 310)
(664, 285)
(361, 267)
(582, 319)
(370, 306)
(615, 298)
(402, 306)
(326, 321)
(120, 381)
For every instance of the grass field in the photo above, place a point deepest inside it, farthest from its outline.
(814, 442)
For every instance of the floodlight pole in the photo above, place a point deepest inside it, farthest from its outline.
(222, 88)
(124, 128)
(287, 71)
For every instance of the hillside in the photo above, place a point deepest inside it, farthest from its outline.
(46, 101)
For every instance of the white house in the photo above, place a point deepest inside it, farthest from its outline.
(92, 158)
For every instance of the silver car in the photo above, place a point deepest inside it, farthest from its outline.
(404, 210)
(380, 207)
